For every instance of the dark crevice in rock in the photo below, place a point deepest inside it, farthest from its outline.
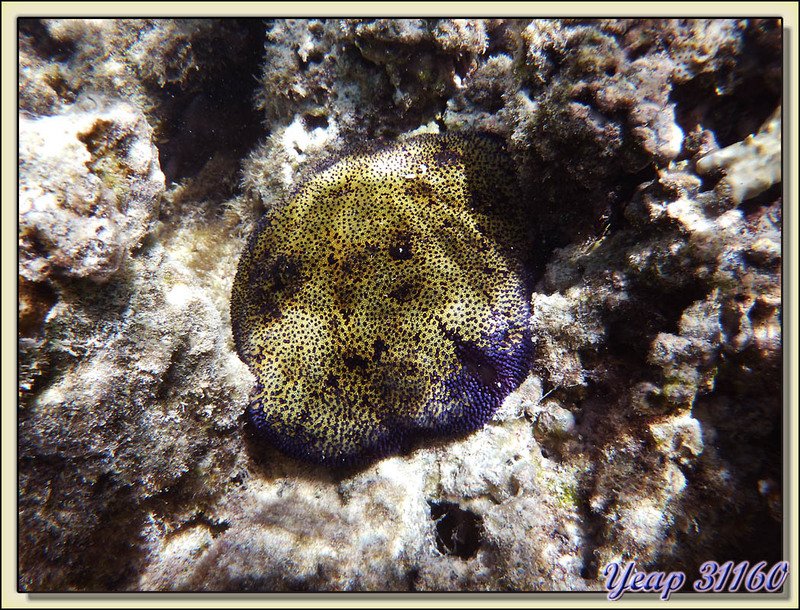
(47, 46)
(213, 115)
(458, 532)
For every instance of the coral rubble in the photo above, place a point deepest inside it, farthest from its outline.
(650, 427)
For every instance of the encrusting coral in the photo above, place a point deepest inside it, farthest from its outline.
(752, 165)
(90, 185)
(649, 428)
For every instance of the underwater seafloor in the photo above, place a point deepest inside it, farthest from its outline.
(650, 426)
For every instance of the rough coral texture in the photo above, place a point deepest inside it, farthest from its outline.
(356, 72)
(751, 166)
(178, 72)
(650, 429)
(90, 185)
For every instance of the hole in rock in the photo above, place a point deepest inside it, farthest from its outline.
(458, 532)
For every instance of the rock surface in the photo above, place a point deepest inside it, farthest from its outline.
(650, 428)
(90, 185)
